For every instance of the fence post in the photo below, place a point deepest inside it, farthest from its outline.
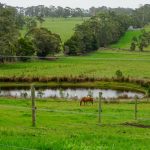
(100, 108)
(136, 109)
(33, 106)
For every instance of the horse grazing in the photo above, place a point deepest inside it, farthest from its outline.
(86, 99)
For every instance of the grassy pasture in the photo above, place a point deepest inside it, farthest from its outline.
(63, 27)
(125, 41)
(102, 63)
(65, 125)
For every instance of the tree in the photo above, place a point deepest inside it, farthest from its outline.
(133, 46)
(46, 42)
(40, 19)
(98, 31)
(133, 43)
(67, 12)
(8, 30)
(72, 46)
(119, 74)
(30, 23)
(142, 41)
(25, 48)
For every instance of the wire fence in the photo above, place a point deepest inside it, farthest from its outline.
(70, 112)
(74, 58)
(66, 112)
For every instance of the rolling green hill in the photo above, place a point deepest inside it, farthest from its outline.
(62, 26)
(125, 41)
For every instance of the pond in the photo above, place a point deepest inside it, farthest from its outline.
(69, 93)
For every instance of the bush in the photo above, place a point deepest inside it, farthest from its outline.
(24, 48)
(119, 74)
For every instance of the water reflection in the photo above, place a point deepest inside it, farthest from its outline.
(68, 93)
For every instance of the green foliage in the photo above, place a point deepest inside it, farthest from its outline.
(140, 16)
(45, 41)
(61, 26)
(20, 21)
(25, 48)
(133, 43)
(119, 74)
(125, 41)
(142, 41)
(99, 31)
(8, 30)
(133, 46)
(40, 19)
(30, 23)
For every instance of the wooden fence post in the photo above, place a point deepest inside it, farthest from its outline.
(136, 108)
(33, 106)
(100, 108)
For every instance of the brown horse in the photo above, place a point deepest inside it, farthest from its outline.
(86, 99)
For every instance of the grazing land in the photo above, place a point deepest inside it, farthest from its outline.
(62, 26)
(61, 123)
(65, 125)
(125, 41)
(103, 63)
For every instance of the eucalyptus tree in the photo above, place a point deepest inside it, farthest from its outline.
(45, 42)
(98, 31)
(8, 30)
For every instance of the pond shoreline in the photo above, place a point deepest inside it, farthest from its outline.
(96, 84)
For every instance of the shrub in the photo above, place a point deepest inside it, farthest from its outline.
(119, 74)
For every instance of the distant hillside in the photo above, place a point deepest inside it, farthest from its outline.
(125, 41)
(63, 27)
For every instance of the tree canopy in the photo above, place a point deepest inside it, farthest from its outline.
(46, 42)
(99, 31)
(8, 30)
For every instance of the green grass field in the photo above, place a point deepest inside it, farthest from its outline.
(65, 125)
(103, 63)
(63, 27)
(125, 41)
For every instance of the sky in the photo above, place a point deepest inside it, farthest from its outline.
(77, 3)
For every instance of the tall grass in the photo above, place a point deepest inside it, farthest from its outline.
(100, 64)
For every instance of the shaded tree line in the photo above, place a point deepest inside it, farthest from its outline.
(99, 31)
(52, 11)
(37, 42)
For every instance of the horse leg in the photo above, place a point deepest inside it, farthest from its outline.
(80, 103)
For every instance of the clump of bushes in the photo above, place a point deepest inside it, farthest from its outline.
(119, 74)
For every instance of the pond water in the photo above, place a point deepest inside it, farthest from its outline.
(68, 93)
